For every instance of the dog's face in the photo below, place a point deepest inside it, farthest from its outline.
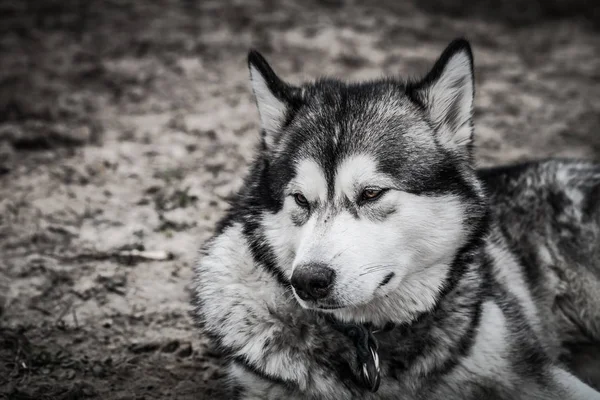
(369, 186)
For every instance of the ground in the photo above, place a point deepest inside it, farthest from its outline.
(124, 125)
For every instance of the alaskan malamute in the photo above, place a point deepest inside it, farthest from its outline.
(365, 256)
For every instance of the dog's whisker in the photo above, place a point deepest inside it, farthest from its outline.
(375, 269)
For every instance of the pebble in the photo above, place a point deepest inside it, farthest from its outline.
(186, 350)
(97, 370)
(143, 347)
(170, 347)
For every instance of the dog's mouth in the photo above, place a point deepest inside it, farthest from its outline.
(387, 279)
(328, 307)
(324, 306)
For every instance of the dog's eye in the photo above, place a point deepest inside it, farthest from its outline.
(371, 194)
(301, 200)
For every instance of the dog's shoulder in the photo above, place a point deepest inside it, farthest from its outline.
(254, 319)
(232, 294)
(546, 217)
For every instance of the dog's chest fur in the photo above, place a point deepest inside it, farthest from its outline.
(275, 340)
(491, 327)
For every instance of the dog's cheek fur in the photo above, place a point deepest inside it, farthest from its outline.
(422, 233)
(283, 235)
(431, 228)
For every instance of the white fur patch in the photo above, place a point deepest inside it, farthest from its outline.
(355, 173)
(545, 255)
(310, 181)
(488, 355)
(271, 109)
(510, 274)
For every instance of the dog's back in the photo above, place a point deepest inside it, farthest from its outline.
(548, 213)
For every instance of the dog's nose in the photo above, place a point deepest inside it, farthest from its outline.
(312, 281)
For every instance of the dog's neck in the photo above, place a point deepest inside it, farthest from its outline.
(454, 300)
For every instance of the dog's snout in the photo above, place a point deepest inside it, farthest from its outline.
(313, 281)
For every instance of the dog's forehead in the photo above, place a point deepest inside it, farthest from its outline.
(310, 179)
(376, 118)
(352, 173)
(347, 131)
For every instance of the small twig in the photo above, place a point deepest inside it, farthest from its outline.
(157, 255)
(74, 312)
(64, 312)
(40, 309)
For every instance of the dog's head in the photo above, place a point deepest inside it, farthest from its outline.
(368, 188)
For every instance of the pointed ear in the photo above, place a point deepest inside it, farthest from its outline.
(447, 94)
(275, 99)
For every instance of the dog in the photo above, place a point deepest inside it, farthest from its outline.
(366, 257)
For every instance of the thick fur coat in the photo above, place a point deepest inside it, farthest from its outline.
(367, 257)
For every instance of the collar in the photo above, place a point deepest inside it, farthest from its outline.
(363, 337)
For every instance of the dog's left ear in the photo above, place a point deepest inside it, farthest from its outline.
(276, 100)
(447, 93)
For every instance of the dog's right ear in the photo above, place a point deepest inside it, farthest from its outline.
(275, 99)
(447, 94)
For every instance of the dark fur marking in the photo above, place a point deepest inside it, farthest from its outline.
(591, 206)
(299, 218)
(236, 392)
(379, 213)
(262, 253)
(351, 207)
(387, 279)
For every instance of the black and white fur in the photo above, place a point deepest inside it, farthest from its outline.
(486, 274)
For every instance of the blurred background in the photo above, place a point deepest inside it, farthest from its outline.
(124, 124)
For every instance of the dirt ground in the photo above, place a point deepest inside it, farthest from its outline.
(125, 124)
